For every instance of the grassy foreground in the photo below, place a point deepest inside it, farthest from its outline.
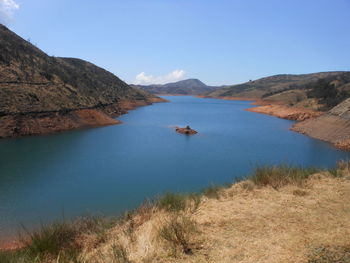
(277, 214)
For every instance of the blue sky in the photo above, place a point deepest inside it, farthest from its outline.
(217, 41)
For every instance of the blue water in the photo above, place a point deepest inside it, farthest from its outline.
(108, 170)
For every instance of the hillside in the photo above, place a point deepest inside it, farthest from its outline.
(184, 87)
(287, 87)
(40, 94)
(279, 214)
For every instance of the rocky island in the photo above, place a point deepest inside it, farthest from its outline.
(187, 130)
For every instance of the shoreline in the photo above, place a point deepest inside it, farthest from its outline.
(44, 123)
(226, 219)
(315, 124)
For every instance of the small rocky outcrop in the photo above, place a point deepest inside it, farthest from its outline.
(187, 130)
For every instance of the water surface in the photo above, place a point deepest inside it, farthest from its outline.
(108, 170)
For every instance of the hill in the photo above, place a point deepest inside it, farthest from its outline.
(287, 88)
(40, 93)
(184, 87)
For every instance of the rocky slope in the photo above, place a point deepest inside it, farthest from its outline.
(42, 94)
(184, 87)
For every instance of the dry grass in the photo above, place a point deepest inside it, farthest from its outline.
(269, 218)
(179, 230)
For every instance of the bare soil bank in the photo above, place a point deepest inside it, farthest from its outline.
(328, 128)
(18, 125)
(285, 112)
(332, 127)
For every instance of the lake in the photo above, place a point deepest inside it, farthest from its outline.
(111, 169)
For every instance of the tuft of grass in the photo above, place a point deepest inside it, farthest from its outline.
(176, 202)
(281, 175)
(179, 230)
(14, 257)
(172, 202)
(300, 192)
(58, 241)
(119, 254)
(212, 191)
(52, 240)
(330, 254)
(342, 168)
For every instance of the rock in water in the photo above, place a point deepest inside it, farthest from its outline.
(187, 130)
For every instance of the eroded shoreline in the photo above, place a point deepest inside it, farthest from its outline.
(315, 124)
(40, 123)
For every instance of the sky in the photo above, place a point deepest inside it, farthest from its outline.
(220, 42)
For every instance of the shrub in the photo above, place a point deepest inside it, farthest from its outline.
(179, 231)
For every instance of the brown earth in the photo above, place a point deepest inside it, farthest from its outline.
(328, 128)
(18, 125)
(285, 112)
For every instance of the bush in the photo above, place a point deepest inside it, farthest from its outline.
(178, 231)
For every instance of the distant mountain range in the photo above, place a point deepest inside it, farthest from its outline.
(183, 87)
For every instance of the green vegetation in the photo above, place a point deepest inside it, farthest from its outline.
(175, 202)
(59, 241)
(328, 91)
(172, 202)
(281, 175)
(213, 191)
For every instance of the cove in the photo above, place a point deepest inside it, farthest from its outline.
(112, 169)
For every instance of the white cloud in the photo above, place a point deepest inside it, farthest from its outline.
(144, 79)
(7, 8)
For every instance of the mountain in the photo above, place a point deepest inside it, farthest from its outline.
(183, 87)
(41, 94)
